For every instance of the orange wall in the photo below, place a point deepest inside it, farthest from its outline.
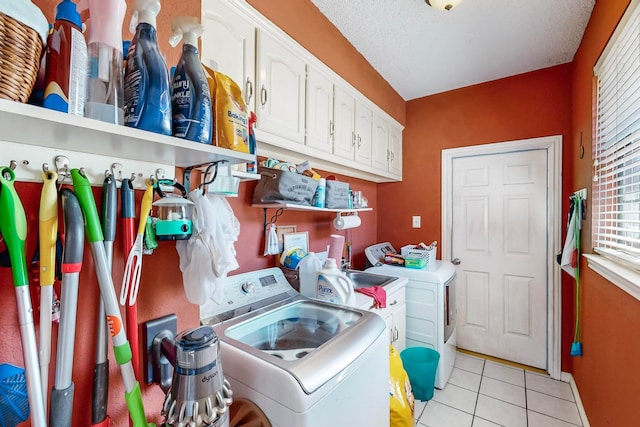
(161, 290)
(608, 374)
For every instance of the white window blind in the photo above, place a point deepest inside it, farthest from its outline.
(616, 186)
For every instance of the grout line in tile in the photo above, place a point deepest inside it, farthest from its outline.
(551, 416)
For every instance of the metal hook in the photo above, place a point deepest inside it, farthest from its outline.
(116, 171)
(62, 167)
(45, 168)
(160, 174)
(13, 165)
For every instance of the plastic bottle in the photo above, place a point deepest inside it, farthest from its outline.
(105, 80)
(66, 71)
(190, 99)
(308, 268)
(147, 98)
(251, 166)
(334, 286)
(319, 197)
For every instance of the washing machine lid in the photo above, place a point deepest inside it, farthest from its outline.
(442, 272)
(375, 253)
(311, 340)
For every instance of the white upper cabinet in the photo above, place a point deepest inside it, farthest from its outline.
(320, 113)
(380, 149)
(364, 129)
(395, 150)
(305, 110)
(344, 133)
(229, 45)
(281, 92)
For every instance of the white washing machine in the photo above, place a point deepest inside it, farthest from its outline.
(431, 308)
(305, 363)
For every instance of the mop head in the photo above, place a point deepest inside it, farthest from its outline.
(14, 404)
(576, 349)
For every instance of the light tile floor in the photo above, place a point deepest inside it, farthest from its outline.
(485, 393)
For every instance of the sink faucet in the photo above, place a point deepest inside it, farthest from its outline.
(346, 265)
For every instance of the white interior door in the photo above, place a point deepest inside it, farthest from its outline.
(500, 233)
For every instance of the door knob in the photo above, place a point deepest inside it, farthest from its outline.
(456, 261)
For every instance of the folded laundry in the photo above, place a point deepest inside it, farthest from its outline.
(378, 294)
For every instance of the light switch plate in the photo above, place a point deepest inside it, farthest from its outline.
(415, 221)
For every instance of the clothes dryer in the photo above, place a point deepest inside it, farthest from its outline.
(431, 307)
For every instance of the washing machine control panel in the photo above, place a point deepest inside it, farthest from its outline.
(247, 292)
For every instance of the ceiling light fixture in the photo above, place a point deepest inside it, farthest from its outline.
(443, 4)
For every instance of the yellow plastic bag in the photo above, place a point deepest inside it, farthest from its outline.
(402, 401)
(230, 115)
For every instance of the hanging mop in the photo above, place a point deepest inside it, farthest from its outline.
(576, 346)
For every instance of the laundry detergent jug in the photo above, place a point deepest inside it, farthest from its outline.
(334, 286)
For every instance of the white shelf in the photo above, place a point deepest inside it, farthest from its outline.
(294, 207)
(246, 176)
(97, 144)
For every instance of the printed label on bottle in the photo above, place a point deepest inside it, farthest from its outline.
(132, 88)
(325, 291)
(77, 73)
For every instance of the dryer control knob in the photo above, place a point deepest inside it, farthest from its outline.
(247, 288)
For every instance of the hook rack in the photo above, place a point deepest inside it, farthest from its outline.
(32, 161)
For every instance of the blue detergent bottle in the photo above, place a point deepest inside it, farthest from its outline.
(190, 98)
(147, 97)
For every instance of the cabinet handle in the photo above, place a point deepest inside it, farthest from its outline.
(248, 88)
(392, 156)
(263, 96)
(359, 141)
(353, 139)
(388, 155)
(396, 334)
(331, 129)
(395, 301)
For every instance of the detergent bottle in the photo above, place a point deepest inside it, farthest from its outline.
(308, 269)
(190, 99)
(147, 98)
(334, 286)
(105, 80)
(65, 75)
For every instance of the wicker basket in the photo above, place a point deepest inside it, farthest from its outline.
(20, 50)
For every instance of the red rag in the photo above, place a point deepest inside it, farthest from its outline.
(378, 294)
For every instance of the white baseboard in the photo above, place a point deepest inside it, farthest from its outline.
(568, 378)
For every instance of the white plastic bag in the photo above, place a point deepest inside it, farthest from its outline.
(210, 253)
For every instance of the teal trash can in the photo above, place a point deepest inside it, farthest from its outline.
(421, 364)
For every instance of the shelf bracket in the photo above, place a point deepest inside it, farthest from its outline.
(273, 219)
(189, 169)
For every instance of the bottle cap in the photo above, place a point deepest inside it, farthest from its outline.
(67, 11)
(144, 11)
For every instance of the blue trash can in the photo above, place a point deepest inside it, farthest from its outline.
(421, 364)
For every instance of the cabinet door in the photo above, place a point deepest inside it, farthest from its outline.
(344, 134)
(395, 151)
(319, 111)
(363, 133)
(281, 94)
(400, 324)
(380, 149)
(229, 45)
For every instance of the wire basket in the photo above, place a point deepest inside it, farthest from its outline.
(20, 51)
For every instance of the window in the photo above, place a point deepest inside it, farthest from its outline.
(616, 186)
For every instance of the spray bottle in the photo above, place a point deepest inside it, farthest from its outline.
(65, 75)
(104, 84)
(190, 99)
(147, 99)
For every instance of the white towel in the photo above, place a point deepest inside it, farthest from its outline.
(210, 253)
(567, 261)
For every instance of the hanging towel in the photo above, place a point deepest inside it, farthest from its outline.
(378, 294)
(569, 253)
(210, 253)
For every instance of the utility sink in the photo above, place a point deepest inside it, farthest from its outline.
(362, 279)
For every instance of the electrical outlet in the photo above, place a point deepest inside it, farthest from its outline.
(415, 221)
(166, 326)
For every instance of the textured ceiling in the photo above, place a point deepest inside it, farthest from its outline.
(421, 51)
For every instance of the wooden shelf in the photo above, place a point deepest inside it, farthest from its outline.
(95, 143)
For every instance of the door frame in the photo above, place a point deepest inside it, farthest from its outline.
(553, 147)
